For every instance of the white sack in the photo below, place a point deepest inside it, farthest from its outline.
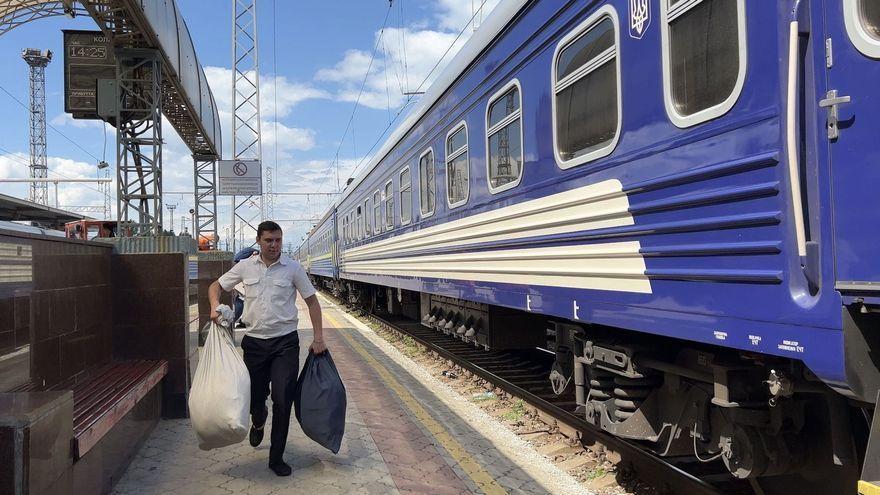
(220, 397)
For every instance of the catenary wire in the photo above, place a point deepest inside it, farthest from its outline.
(50, 125)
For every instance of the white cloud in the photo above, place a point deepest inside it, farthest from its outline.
(316, 175)
(404, 62)
(456, 14)
(69, 194)
(288, 138)
(289, 94)
(64, 119)
(352, 66)
(14, 166)
(406, 57)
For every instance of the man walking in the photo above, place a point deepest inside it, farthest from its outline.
(271, 344)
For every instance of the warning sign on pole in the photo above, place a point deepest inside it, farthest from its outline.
(239, 178)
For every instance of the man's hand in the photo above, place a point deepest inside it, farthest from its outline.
(214, 299)
(317, 347)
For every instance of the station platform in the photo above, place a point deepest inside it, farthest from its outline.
(406, 432)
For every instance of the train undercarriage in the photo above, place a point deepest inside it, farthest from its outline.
(767, 419)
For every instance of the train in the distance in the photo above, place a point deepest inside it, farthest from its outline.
(679, 198)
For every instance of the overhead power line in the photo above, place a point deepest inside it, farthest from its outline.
(413, 95)
(52, 126)
(360, 93)
(17, 158)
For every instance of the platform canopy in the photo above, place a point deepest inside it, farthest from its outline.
(14, 13)
(19, 210)
(187, 100)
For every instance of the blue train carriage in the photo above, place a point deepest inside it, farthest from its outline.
(683, 192)
(299, 254)
(320, 260)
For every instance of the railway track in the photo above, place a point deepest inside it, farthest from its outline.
(523, 374)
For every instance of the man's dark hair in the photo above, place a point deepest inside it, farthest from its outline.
(267, 226)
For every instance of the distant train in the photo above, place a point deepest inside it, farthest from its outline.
(686, 193)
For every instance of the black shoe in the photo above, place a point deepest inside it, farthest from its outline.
(280, 468)
(256, 435)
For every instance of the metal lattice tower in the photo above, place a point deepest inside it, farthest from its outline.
(205, 216)
(246, 142)
(268, 198)
(139, 141)
(38, 60)
(108, 195)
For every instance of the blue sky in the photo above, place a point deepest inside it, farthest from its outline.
(323, 52)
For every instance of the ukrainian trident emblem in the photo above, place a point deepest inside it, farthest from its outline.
(639, 17)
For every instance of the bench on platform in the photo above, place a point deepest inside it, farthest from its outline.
(104, 395)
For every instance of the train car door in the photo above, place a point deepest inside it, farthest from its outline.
(851, 106)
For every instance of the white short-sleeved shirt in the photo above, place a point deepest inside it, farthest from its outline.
(270, 294)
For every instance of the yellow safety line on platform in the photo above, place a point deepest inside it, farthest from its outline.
(866, 488)
(472, 468)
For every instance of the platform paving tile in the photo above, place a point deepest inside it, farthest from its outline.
(388, 447)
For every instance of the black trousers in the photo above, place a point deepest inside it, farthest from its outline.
(274, 361)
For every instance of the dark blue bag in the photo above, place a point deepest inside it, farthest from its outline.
(319, 398)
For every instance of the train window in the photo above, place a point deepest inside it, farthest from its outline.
(345, 229)
(586, 101)
(704, 58)
(359, 224)
(871, 16)
(426, 183)
(504, 154)
(367, 218)
(389, 204)
(457, 166)
(405, 196)
(377, 212)
(862, 19)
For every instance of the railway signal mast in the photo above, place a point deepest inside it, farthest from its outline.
(38, 60)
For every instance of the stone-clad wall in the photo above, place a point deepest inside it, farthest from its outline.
(209, 271)
(151, 318)
(66, 307)
(55, 308)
